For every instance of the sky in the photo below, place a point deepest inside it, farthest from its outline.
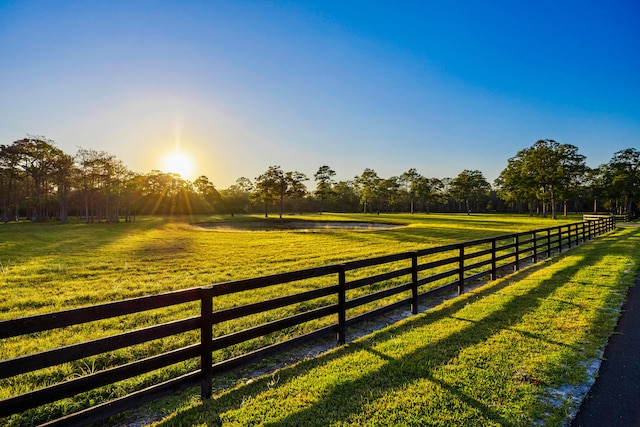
(238, 86)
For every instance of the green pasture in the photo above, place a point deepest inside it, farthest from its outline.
(50, 267)
(516, 352)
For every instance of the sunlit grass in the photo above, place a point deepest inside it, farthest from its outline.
(84, 264)
(49, 267)
(495, 356)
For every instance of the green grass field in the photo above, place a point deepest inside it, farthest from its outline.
(49, 267)
(498, 356)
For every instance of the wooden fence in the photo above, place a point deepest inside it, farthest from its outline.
(348, 296)
(627, 217)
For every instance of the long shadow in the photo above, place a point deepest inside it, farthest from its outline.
(396, 371)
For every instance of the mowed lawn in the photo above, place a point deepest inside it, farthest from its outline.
(488, 358)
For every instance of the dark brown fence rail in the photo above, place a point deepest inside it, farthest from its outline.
(322, 302)
(627, 217)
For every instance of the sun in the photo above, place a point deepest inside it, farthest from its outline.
(180, 163)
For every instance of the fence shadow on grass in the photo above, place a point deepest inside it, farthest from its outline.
(396, 372)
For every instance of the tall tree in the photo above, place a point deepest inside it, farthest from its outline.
(237, 198)
(470, 186)
(38, 155)
(595, 185)
(11, 175)
(345, 196)
(389, 194)
(207, 192)
(548, 168)
(294, 187)
(269, 186)
(624, 168)
(435, 191)
(367, 184)
(516, 184)
(64, 179)
(412, 181)
(102, 177)
(426, 190)
(324, 188)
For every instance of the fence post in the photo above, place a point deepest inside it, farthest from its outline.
(342, 306)
(461, 270)
(569, 236)
(516, 241)
(535, 246)
(548, 243)
(494, 273)
(206, 342)
(560, 239)
(414, 283)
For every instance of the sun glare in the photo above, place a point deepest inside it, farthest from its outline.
(180, 163)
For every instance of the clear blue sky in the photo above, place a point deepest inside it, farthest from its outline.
(440, 86)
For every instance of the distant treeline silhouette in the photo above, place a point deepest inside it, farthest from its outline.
(39, 182)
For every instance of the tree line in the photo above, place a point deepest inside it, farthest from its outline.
(38, 181)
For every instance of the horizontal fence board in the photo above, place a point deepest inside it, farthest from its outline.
(505, 256)
(436, 277)
(438, 263)
(438, 249)
(262, 306)
(471, 255)
(77, 316)
(225, 288)
(365, 299)
(130, 401)
(478, 242)
(223, 367)
(477, 265)
(540, 246)
(370, 262)
(88, 382)
(525, 242)
(505, 247)
(378, 278)
(73, 352)
(267, 328)
(525, 251)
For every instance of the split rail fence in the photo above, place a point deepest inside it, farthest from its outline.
(348, 293)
